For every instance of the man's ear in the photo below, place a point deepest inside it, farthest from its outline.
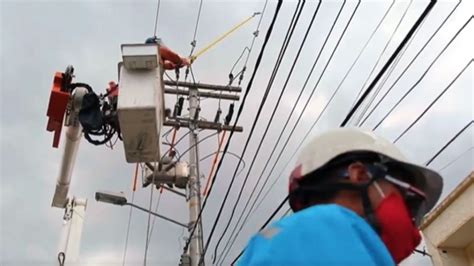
(358, 173)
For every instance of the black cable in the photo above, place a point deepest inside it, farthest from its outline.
(331, 98)
(267, 127)
(433, 102)
(263, 226)
(197, 143)
(238, 60)
(409, 64)
(249, 86)
(448, 143)
(423, 75)
(455, 159)
(294, 106)
(380, 57)
(289, 34)
(370, 38)
(302, 112)
(244, 164)
(405, 40)
(373, 83)
(386, 77)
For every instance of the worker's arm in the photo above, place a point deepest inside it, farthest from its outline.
(169, 59)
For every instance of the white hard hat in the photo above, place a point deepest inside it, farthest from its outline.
(336, 142)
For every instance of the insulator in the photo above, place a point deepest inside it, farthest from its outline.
(180, 105)
(218, 116)
(229, 115)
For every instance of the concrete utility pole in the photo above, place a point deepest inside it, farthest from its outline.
(188, 177)
(194, 186)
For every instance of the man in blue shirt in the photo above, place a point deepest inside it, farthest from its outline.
(357, 201)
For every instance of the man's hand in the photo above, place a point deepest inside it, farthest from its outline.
(185, 61)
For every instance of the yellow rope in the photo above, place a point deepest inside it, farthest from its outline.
(218, 39)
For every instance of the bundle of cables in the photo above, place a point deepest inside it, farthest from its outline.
(98, 116)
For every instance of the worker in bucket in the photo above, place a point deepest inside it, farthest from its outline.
(169, 59)
(356, 199)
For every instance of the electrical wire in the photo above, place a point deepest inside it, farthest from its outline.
(255, 33)
(214, 162)
(264, 225)
(387, 76)
(197, 143)
(423, 75)
(249, 86)
(134, 187)
(322, 112)
(154, 217)
(263, 137)
(193, 43)
(366, 44)
(324, 69)
(290, 31)
(147, 241)
(373, 83)
(156, 17)
(448, 143)
(381, 55)
(324, 109)
(411, 62)
(155, 167)
(244, 164)
(433, 102)
(266, 130)
(455, 159)
(405, 40)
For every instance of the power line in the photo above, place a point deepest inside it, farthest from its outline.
(244, 164)
(147, 240)
(297, 100)
(373, 83)
(286, 41)
(424, 73)
(323, 110)
(264, 225)
(193, 43)
(382, 53)
(156, 17)
(365, 45)
(455, 159)
(266, 129)
(130, 216)
(249, 86)
(411, 62)
(331, 98)
(197, 143)
(154, 217)
(256, 32)
(294, 106)
(433, 102)
(387, 75)
(449, 143)
(390, 60)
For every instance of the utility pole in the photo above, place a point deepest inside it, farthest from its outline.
(190, 179)
(194, 187)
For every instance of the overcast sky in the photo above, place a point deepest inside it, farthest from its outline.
(41, 37)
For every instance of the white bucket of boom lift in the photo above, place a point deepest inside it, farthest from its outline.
(141, 102)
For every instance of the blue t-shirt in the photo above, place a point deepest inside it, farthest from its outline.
(320, 235)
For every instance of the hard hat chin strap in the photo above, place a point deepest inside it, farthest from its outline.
(368, 210)
(376, 171)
